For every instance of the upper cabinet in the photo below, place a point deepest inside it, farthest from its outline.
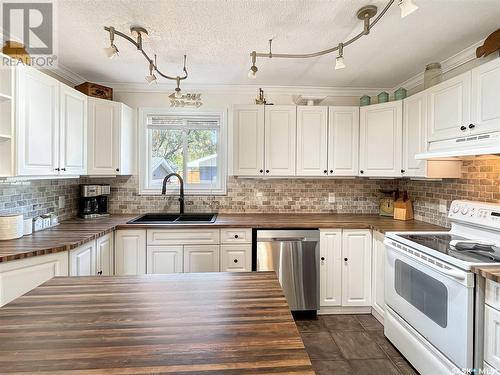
(485, 109)
(312, 142)
(343, 141)
(414, 134)
(381, 139)
(248, 145)
(280, 138)
(111, 134)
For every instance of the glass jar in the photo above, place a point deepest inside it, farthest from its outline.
(432, 75)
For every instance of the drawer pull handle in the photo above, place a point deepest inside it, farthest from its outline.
(322, 259)
(235, 260)
(345, 259)
(236, 236)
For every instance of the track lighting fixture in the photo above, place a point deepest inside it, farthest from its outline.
(178, 93)
(407, 7)
(139, 33)
(366, 14)
(339, 61)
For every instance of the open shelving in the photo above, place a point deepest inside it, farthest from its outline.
(6, 120)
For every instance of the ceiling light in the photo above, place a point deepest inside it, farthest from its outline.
(112, 50)
(178, 93)
(252, 73)
(407, 7)
(150, 78)
(339, 61)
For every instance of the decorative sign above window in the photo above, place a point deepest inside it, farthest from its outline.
(186, 100)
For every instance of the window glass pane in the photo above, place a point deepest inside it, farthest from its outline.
(202, 157)
(166, 154)
(425, 293)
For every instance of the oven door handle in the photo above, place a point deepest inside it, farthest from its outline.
(454, 273)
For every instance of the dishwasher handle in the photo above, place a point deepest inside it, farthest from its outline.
(288, 239)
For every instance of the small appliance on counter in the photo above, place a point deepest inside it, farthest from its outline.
(386, 206)
(93, 201)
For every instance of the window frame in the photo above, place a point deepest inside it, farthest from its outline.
(144, 149)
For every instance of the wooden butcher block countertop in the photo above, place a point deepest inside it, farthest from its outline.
(488, 272)
(212, 323)
(75, 232)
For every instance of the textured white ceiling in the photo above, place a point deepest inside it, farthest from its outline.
(218, 36)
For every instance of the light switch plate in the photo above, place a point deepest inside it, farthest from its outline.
(443, 206)
(331, 198)
(62, 202)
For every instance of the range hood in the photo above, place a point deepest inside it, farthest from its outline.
(481, 145)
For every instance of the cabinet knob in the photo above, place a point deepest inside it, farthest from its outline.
(236, 236)
(118, 169)
(345, 259)
(322, 259)
(261, 171)
(403, 171)
(99, 273)
(361, 171)
(63, 169)
(463, 127)
(325, 171)
(57, 169)
(267, 170)
(331, 171)
(472, 126)
(235, 260)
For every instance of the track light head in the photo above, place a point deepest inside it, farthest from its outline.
(178, 93)
(339, 61)
(150, 78)
(252, 73)
(111, 51)
(407, 7)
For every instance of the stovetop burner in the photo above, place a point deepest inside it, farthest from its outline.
(470, 253)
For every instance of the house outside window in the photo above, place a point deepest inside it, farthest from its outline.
(191, 144)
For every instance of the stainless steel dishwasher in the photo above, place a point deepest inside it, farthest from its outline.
(294, 256)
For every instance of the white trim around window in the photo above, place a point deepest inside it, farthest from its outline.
(146, 187)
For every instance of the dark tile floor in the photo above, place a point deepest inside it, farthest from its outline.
(350, 344)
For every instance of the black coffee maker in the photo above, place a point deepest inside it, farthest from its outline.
(93, 201)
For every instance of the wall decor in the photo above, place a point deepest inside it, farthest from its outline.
(400, 94)
(365, 100)
(490, 45)
(95, 90)
(432, 75)
(383, 97)
(185, 100)
(260, 99)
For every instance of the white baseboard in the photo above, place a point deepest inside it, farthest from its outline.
(330, 310)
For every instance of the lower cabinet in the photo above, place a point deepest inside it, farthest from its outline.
(164, 259)
(105, 255)
(130, 252)
(492, 325)
(378, 275)
(345, 267)
(82, 260)
(18, 277)
(201, 258)
(236, 258)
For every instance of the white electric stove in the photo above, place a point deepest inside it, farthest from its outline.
(432, 296)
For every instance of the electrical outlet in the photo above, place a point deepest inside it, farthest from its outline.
(331, 198)
(443, 206)
(258, 194)
(62, 202)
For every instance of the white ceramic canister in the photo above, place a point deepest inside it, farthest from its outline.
(11, 227)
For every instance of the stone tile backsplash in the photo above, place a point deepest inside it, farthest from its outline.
(481, 181)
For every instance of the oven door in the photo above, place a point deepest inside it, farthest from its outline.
(436, 299)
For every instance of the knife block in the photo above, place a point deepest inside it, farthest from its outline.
(403, 209)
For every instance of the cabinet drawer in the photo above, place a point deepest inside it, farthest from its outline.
(492, 336)
(241, 235)
(493, 294)
(183, 237)
(236, 258)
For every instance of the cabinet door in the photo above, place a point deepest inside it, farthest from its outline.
(485, 110)
(330, 270)
(236, 258)
(37, 123)
(82, 260)
(127, 135)
(414, 134)
(492, 336)
(448, 106)
(248, 145)
(280, 140)
(356, 270)
(73, 131)
(164, 259)
(378, 273)
(103, 137)
(381, 139)
(312, 141)
(201, 258)
(130, 252)
(18, 277)
(105, 255)
(343, 141)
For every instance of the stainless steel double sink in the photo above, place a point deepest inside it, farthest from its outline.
(159, 218)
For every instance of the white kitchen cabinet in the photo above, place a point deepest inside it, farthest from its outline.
(343, 141)
(380, 143)
(73, 132)
(37, 123)
(201, 258)
(312, 142)
(105, 255)
(130, 252)
(248, 140)
(183, 236)
(414, 134)
(236, 235)
(492, 336)
(164, 259)
(280, 140)
(485, 96)
(236, 258)
(82, 260)
(330, 270)
(356, 267)
(18, 277)
(111, 138)
(378, 275)
(449, 108)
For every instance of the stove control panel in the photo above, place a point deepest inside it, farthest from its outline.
(477, 213)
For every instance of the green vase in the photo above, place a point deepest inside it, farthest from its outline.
(400, 94)
(364, 100)
(383, 97)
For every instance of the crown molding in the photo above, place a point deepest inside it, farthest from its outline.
(450, 63)
(244, 89)
(68, 75)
